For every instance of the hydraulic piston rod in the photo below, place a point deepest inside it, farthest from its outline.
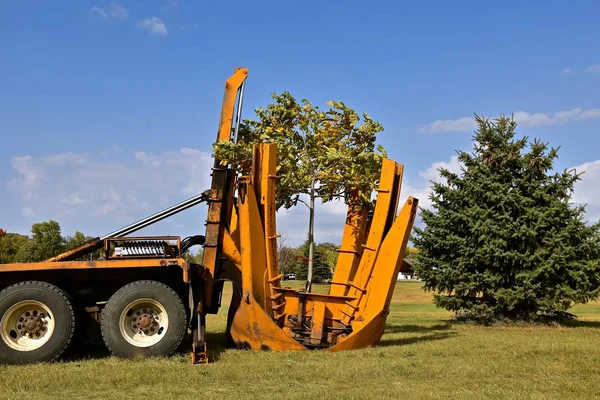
(97, 243)
(136, 226)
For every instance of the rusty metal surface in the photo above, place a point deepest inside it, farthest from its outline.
(253, 329)
(368, 336)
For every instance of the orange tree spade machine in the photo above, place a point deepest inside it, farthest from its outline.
(147, 297)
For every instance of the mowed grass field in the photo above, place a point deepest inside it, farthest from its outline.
(423, 355)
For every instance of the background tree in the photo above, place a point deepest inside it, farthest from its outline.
(46, 242)
(329, 252)
(9, 246)
(288, 257)
(321, 270)
(194, 257)
(502, 240)
(78, 239)
(321, 154)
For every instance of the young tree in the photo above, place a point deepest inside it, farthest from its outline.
(502, 240)
(321, 154)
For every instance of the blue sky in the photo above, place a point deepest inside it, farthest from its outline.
(108, 109)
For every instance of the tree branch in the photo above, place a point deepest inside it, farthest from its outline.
(303, 202)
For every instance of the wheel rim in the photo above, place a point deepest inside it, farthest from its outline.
(27, 325)
(144, 322)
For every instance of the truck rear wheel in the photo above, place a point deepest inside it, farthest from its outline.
(37, 322)
(144, 319)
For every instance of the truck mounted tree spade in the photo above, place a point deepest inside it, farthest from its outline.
(147, 297)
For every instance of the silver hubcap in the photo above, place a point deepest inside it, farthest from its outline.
(144, 322)
(27, 325)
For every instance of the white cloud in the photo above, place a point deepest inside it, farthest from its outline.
(421, 188)
(593, 68)
(567, 71)
(98, 196)
(587, 190)
(521, 117)
(154, 25)
(432, 173)
(449, 125)
(112, 11)
(541, 119)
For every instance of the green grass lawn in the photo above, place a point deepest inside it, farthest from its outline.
(423, 355)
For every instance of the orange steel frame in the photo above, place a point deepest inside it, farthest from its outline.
(240, 245)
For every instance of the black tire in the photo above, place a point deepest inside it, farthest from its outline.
(117, 304)
(60, 305)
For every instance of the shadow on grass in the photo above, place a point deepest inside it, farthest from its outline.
(417, 328)
(416, 339)
(216, 344)
(582, 324)
(429, 333)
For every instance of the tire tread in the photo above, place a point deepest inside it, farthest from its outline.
(58, 291)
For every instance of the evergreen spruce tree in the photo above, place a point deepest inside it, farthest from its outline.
(502, 240)
(321, 269)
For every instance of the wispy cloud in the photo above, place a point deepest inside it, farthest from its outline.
(595, 69)
(112, 11)
(154, 25)
(521, 117)
(567, 71)
(449, 125)
(561, 117)
(82, 190)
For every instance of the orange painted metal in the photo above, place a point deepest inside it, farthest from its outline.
(350, 250)
(103, 264)
(384, 210)
(372, 307)
(267, 167)
(252, 326)
(214, 225)
(353, 314)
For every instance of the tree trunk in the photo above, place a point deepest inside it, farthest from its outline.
(311, 238)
